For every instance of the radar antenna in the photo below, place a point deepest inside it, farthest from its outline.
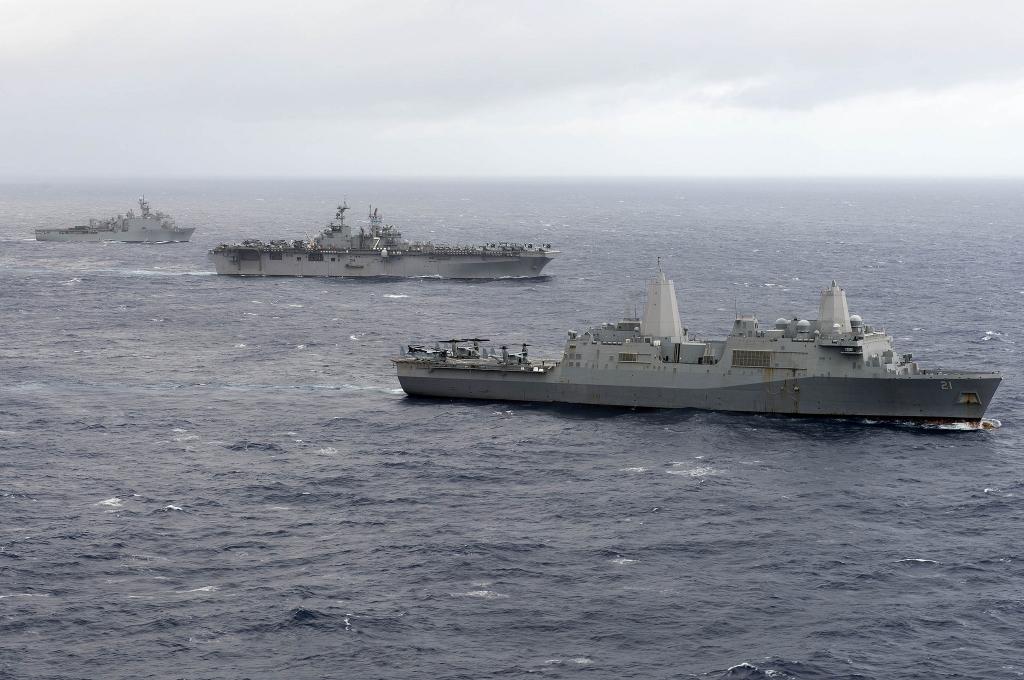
(340, 215)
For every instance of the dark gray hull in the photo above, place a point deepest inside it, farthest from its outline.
(252, 262)
(930, 397)
(153, 235)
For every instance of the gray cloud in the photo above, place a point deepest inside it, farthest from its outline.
(329, 59)
(82, 71)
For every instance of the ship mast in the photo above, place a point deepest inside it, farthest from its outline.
(340, 215)
(661, 313)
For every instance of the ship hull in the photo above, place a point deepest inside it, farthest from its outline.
(132, 236)
(931, 397)
(252, 262)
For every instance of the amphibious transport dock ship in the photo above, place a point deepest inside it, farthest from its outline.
(378, 251)
(146, 227)
(834, 365)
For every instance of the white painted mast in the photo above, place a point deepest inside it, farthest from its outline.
(833, 310)
(661, 313)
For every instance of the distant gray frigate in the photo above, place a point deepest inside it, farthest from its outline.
(146, 227)
(378, 250)
(834, 365)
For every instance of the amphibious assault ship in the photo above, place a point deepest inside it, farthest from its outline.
(379, 250)
(835, 365)
(146, 227)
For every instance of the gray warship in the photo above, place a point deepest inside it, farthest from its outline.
(146, 227)
(835, 366)
(379, 250)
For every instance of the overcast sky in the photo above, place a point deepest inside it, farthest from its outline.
(466, 88)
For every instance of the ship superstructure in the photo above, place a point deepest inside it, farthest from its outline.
(378, 249)
(147, 226)
(835, 365)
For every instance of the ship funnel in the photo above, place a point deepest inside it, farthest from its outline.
(661, 313)
(833, 311)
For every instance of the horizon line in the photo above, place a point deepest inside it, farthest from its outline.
(503, 178)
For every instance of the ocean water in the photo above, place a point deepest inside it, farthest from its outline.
(210, 477)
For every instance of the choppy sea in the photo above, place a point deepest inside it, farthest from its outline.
(213, 477)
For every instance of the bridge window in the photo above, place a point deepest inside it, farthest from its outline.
(275, 256)
(630, 357)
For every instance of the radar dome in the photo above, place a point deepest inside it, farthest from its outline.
(803, 325)
(781, 323)
(855, 320)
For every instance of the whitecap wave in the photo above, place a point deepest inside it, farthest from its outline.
(114, 502)
(623, 560)
(3, 597)
(697, 471)
(962, 426)
(375, 388)
(482, 594)
(983, 424)
(395, 297)
(151, 272)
